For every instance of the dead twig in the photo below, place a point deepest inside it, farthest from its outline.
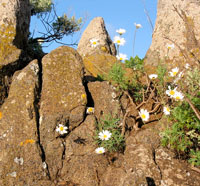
(193, 108)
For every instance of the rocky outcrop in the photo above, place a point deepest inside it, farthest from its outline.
(106, 100)
(14, 30)
(96, 30)
(177, 23)
(62, 101)
(15, 19)
(20, 153)
(95, 64)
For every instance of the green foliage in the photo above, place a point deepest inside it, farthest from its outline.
(117, 141)
(195, 158)
(161, 72)
(116, 75)
(40, 6)
(184, 135)
(65, 26)
(193, 80)
(135, 63)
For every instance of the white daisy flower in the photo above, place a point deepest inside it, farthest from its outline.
(94, 42)
(119, 40)
(171, 92)
(100, 150)
(121, 57)
(90, 110)
(166, 110)
(153, 76)
(137, 25)
(178, 96)
(61, 129)
(187, 66)
(174, 72)
(105, 135)
(121, 31)
(170, 46)
(144, 114)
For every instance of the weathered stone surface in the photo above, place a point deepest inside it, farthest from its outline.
(81, 165)
(105, 99)
(15, 17)
(61, 99)
(14, 30)
(96, 30)
(98, 64)
(20, 154)
(173, 171)
(178, 22)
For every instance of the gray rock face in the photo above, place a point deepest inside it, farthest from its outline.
(96, 30)
(178, 23)
(62, 101)
(16, 13)
(20, 154)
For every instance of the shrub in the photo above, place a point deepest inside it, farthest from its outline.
(116, 141)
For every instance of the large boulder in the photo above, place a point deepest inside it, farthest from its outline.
(98, 64)
(105, 99)
(63, 101)
(178, 23)
(81, 165)
(20, 152)
(96, 30)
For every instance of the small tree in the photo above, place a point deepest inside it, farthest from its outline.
(56, 27)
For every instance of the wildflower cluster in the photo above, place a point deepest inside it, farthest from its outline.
(182, 108)
(120, 41)
(108, 135)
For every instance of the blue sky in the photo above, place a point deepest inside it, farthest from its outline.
(116, 14)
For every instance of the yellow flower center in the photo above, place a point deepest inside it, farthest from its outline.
(178, 97)
(83, 96)
(174, 73)
(120, 58)
(167, 109)
(100, 151)
(90, 109)
(61, 128)
(143, 116)
(172, 92)
(104, 136)
(94, 43)
(169, 47)
(0, 115)
(118, 41)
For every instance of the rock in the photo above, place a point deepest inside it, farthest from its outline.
(98, 64)
(178, 23)
(14, 30)
(105, 99)
(81, 165)
(62, 101)
(15, 19)
(96, 30)
(20, 153)
(174, 172)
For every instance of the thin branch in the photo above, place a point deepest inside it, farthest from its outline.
(147, 14)
(193, 107)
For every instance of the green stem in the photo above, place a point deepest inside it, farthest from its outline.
(134, 41)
